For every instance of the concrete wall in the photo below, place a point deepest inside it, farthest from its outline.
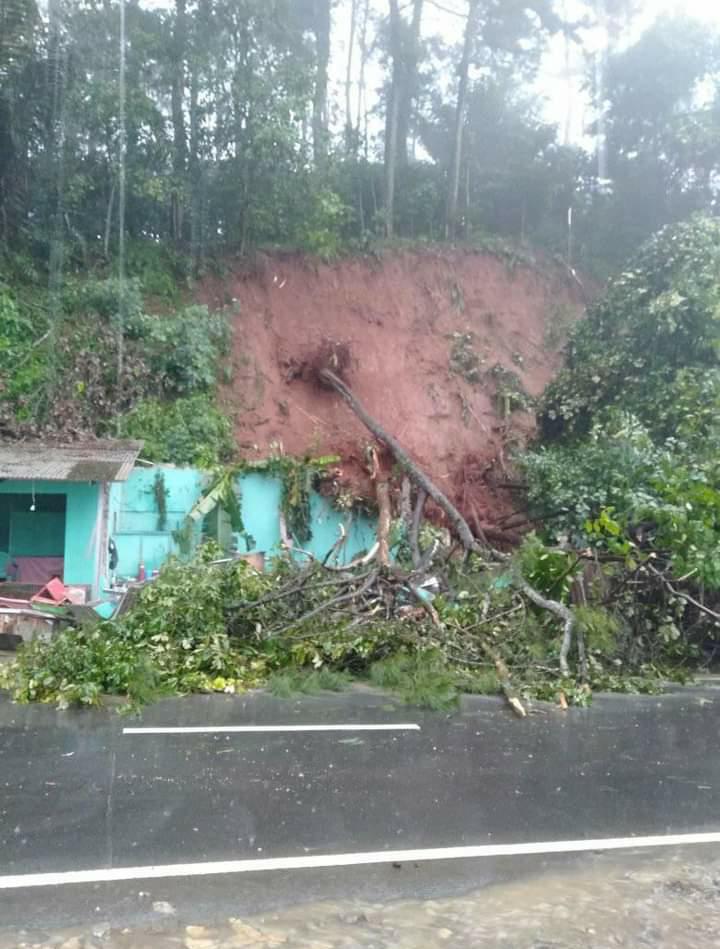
(133, 518)
(83, 527)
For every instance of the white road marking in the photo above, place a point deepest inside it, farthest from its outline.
(327, 861)
(221, 729)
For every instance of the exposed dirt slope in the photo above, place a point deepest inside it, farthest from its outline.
(396, 317)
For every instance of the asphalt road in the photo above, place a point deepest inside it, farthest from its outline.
(77, 793)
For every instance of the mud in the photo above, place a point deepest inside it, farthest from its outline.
(669, 902)
(419, 334)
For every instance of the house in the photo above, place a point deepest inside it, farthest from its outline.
(54, 502)
(95, 516)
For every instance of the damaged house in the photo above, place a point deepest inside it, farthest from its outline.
(54, 502)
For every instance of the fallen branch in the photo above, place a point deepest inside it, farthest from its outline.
(466, 536)
(382, 492)
(562, 612)
(426, 605)
(406, 511)
(416, 475)
(415, 527)
(683, 596)
(323, 607)
(506, 685)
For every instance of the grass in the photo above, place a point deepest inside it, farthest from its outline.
(307, 682)
(421, 679)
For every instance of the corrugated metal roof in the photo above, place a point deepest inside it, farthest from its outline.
(79, 461)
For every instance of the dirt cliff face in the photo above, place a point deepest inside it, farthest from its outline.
(445, 348)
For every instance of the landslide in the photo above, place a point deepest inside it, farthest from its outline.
(446, 348)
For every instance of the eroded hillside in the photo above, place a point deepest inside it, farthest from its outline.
(447, 349)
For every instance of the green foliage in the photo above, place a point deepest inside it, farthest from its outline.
(23, 363)
(261, 180)
(79, 666)
(657, 329)
(110, 299)
(611, 470)
(161, 271)
(183, 349)
(631, 467)
(320, 229)
(295, 501)
(510, 394)
(550, 572)
(185, 431)
(421, 679)
(224, 627)
(637, 407)
(604, 489)
(292, 682)
(66, 378)
(160, 494)
(600, 628)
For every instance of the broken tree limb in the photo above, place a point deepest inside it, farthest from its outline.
(382, 492)
(403, 459)
(562, 612)
(329, 604)
(503, 674)
(466, 536)
(406, 511)
(335, 549)
(415, 527)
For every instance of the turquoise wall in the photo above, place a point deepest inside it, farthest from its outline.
(134, 518)
(81, 524)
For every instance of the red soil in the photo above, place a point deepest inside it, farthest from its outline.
(386, 325)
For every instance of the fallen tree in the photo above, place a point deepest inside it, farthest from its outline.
(457, 521)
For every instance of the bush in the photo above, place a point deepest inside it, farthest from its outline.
(79, 666)
(657, 323)
(184, 350)
(186, 431)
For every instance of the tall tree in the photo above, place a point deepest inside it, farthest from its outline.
(178, 55)
(471, 28)
(349, 131)
(391, 116)
(18, 61)
(409, 80)
(321, 28)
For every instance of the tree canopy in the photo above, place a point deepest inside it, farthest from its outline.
(231, 132)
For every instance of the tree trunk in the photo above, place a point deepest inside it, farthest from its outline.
(463, 71)
(362, 110)
(194, 160)
(458, 522)
(391, 117)
(409, 84)
(382, 492)
(321, 28)
(108, 222)
(415, 473)
(415, 528)
(350, 146)
(178, 116)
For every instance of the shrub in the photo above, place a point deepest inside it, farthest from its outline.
(186, 431)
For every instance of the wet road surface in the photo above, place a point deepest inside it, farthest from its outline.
(77, 793)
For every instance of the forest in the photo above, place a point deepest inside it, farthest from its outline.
(207, 126)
